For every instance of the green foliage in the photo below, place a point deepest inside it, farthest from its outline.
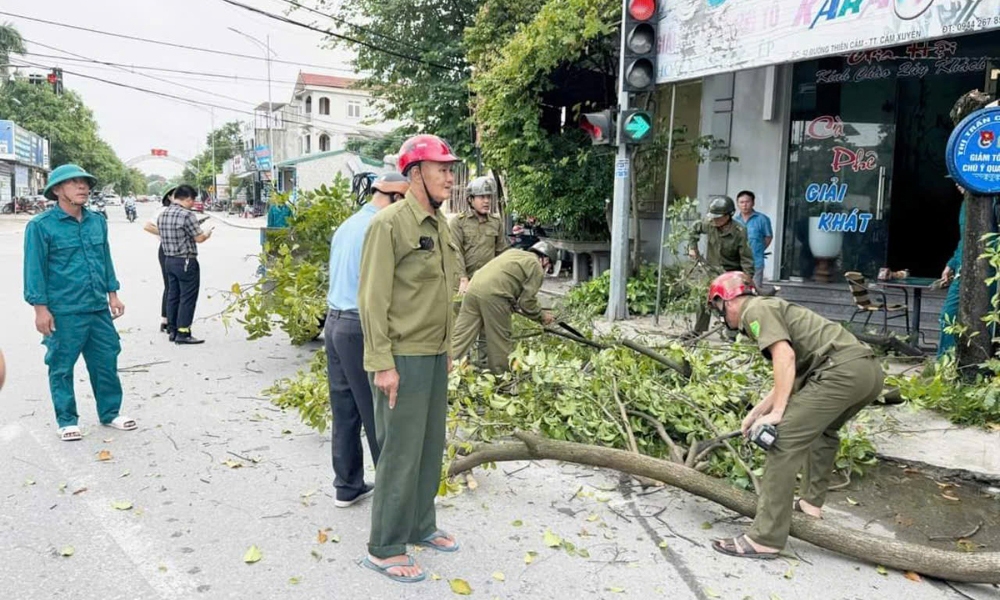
(228, 143)
(70, 127)
(683, 286)
(550, 172)
(292, 294)
(378, 148)
(856, 452)
(943, 389)
(10, 43)
(307, 393)
(433, 98)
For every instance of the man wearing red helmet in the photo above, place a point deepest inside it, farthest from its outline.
(823, 376)
(404, 300)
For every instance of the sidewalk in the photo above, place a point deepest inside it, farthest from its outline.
(903, 433)
(237, 221)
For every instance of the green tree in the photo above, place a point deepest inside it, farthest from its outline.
(228, 142)
(69, 126)
(10, 43)
(537, 61)
(434, 98)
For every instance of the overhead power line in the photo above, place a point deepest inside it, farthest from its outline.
(168, 44)
(347, 23)
(313, 123)
(129, 67)
(338, 36)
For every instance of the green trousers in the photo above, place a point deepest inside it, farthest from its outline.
(808, 439)
(94, 336)
(411, 436)
(487, 315)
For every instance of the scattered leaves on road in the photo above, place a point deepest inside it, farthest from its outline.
(252, 555)
(529, 557)
(104, 455)
(232, 464)
(882, 570)
(852, 501)
(29, 482)
(592, 517)
(711, 593)
(706, 525)
(499, 576)
(321, 537)
(663, 544)
(460, 587)
(294, 580)
(518, 523)
(789, 573)
(912, 576)
(125, 473)
(615, 590)
(551, 539)
(67, 551)
(315, 554)
(122, 505)
(334, 539)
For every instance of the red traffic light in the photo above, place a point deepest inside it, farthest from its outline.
(642, 10)
(52, 78)
(598, 126)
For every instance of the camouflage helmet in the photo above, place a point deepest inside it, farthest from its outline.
(721, 206)
(481, 186)
(545, 249)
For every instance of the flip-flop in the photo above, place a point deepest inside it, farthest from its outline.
(384, 569)
(740, 547)
(70, 433)
(797, 507)
(428, 542)
(123, 423)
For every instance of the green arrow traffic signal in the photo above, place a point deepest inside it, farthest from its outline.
(637, 126)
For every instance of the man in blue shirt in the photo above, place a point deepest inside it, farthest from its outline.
(350, 392)
(759, 232)
(70, 280)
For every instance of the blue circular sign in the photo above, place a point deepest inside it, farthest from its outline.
(973, 152)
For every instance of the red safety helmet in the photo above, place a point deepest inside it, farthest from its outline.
(729, 285)
(424, 147)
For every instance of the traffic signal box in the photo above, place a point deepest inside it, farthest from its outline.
(632, 126)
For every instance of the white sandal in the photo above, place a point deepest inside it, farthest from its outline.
(70, 433)
(122, 422)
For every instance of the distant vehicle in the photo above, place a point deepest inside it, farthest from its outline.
(112, 200)
(198, 206)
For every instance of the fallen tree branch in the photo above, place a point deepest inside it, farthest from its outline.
(975, 567)
(683, 368)
(676, 452)
(952, 538)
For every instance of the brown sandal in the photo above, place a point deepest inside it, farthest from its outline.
(741, 547)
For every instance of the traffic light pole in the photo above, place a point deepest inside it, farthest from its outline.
(617, 299)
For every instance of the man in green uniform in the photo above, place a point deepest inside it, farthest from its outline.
(479, 237)
(728, 249)
(70, 280)
(404, 301)
(823, 376)
(478, 234)
(507, 283)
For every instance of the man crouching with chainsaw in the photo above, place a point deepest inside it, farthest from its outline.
(823, 376)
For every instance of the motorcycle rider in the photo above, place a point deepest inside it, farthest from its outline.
(130, 208)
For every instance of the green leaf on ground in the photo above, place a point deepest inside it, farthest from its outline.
(517, 523)
(616, 590)
(123, 505)
(294, 580)
(67, 551)
(529, 557)
(663, 544)
(460, 587)
(706, 525)
(252, 555)
(711, 593)
(499, 576)
(882, 570)
(551, 540)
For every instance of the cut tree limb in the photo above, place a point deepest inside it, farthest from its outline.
(977, 567)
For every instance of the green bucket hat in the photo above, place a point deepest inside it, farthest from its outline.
(65, 173)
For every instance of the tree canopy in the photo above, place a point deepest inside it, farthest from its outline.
(228, 143)
(72, 132)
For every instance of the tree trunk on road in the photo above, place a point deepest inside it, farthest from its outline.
(982, 567)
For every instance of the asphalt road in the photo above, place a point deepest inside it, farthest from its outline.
(193, 517)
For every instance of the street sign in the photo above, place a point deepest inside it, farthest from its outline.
(621, 168)
(973, 152)
(636, 126)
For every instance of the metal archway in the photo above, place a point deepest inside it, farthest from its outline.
(135, 160)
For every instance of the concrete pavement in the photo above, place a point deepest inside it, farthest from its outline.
(214, 469)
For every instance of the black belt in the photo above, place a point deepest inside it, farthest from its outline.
(183, 256)
(344, 314)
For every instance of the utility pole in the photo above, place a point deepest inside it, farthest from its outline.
(212, 134)
(270, 110)
(617, 299)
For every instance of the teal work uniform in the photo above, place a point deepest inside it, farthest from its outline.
(835, 377)
(68, 268)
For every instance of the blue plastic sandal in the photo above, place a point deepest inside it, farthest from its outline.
(428, 542)
(384, 569)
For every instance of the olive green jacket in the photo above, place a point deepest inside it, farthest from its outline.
(478, 241)
(728, 248)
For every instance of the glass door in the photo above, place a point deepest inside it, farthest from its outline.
(839, 172)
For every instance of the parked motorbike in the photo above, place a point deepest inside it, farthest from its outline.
(130, 214)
